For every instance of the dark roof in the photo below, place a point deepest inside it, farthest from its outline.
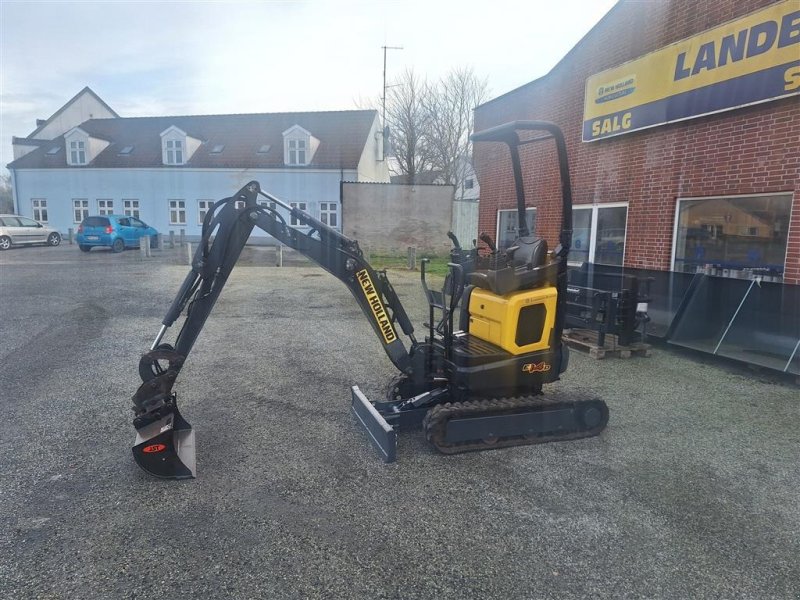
(342, 136)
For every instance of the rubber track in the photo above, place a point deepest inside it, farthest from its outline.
(435, 422)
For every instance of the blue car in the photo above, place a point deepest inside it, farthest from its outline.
(115, 231)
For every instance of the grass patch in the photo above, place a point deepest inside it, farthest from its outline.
(437, 266)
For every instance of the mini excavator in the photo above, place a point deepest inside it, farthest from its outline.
(475, 382)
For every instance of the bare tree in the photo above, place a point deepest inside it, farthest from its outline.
(409, 125)
(6, 198)
(450, 120)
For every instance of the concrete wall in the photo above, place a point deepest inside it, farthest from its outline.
(388, 218)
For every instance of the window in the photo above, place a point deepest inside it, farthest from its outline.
(238, 204)
(80, 209)
(77, 152)
(131, 208)
(203, 206)
(177, 212)
(507, 226)
(468, 183)
(264, 149)
(297, 152)
(39, 209)
(270, 204)
(217, 149)
(174, 152)
(598, 234)
(328, 213)
(25, 222)
(302, 206)
(732, 233)
(137, 223)
(126, 151)
(53, 150)
(105, 207)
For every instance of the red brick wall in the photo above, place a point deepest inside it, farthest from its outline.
(743, 151)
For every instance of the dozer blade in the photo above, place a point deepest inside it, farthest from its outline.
(165, 448)
(381, 434)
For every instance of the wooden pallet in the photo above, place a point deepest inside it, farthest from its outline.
(586, 340)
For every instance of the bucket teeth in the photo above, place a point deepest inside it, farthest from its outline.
(165, 448)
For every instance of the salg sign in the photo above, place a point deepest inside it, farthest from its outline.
(747, 61)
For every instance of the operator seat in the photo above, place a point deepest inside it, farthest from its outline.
(527, 268)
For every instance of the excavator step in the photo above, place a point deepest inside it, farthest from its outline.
(381, 434)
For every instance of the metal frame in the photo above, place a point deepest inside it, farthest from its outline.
(593, 229)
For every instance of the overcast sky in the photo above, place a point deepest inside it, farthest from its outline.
(170, 58)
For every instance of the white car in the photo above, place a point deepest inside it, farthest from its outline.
(16, 231)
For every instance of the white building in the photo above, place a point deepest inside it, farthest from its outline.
(87, 160)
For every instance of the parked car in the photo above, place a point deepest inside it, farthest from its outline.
(115, 231)
(16, 230)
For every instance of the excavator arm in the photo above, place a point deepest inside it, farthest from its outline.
(165, 441)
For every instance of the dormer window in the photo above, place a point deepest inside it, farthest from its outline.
(173, 152)
(297, 152)
(298, 146)
(77, 144)
(77, 153)
(177, 147)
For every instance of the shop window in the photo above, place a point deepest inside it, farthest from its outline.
(598, 234)
(732, 236)
(507, 226)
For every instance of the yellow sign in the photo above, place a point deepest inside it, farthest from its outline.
(747, 61)
(374, 301)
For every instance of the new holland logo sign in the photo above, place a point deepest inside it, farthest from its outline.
(751, 60)
(374, 301)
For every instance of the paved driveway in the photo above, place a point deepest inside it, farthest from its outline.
(691, 492)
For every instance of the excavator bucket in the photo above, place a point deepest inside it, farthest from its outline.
(165, 448)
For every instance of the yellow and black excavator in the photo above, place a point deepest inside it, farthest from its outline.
(475, 382)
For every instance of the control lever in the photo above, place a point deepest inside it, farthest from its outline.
(454, 239)
(486, 239)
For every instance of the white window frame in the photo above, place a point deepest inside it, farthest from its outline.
(293, 151)
(130, 207)
(174, 151)
(593, 231)
(105, 207)
(497, 227)
(302, 206)
(82, 205)
(177, 211)
(39, 208)
(731, 197)
(237, 204)
(330, 208)
(203, 206)
(77, 152)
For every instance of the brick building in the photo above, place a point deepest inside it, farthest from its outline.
(682, 190)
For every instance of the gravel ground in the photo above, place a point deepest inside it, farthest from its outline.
(691, 492)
